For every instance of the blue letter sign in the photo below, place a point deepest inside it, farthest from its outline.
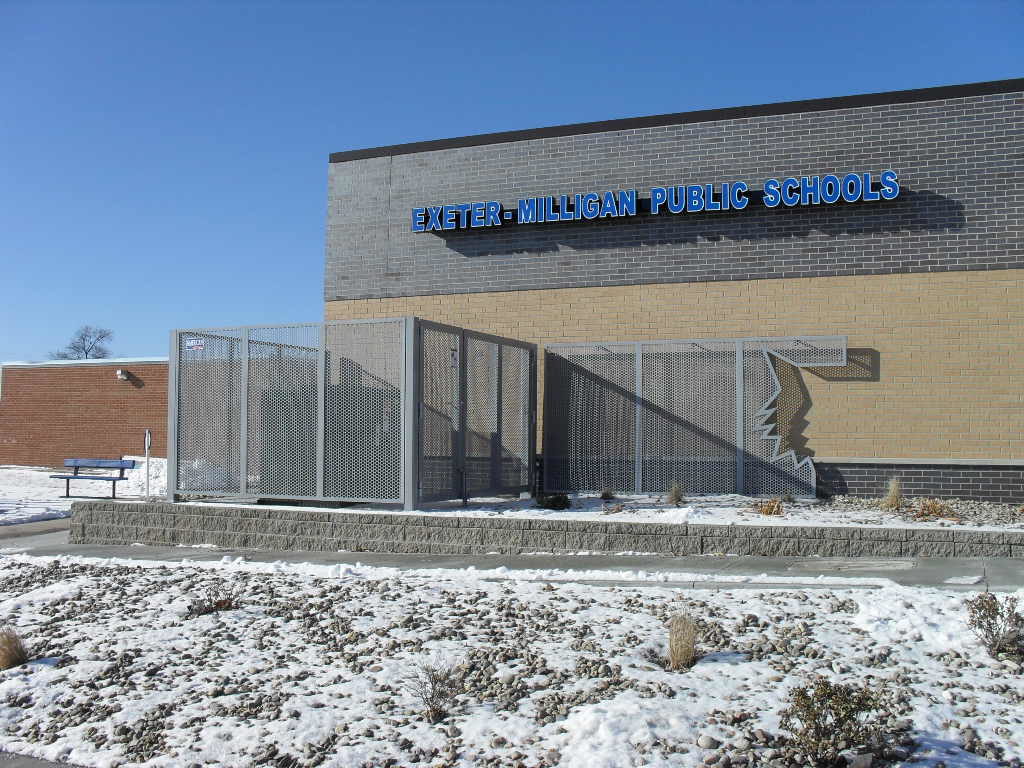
(790, 192)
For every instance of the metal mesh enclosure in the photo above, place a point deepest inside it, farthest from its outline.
(640, 416)
(396, 410)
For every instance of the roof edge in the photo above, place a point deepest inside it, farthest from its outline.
(986, 88)
(89, 361)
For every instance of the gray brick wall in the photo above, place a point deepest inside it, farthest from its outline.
(959, 162)
(952, 481)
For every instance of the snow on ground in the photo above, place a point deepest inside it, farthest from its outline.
(29, 494)
(725, 509)
(313, 668)
(135, 479)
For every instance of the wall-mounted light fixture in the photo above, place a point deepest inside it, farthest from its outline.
(123, 375)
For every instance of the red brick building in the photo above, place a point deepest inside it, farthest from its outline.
(81, 408)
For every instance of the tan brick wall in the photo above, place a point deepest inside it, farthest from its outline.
(950, 347)
(52, 413)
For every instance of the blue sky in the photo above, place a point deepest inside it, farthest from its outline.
(164, 164)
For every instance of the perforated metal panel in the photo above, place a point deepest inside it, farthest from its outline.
(282, 413)
(440, 414)
(642, 416)
(766, 468)
(805, 351)
(590, 417)
(208, 401)
(394, 410)
(516, 435)
(760, 473)
(363, 429)
(688, 416)
(483, 443)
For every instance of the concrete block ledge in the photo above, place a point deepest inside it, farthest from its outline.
(234, 527)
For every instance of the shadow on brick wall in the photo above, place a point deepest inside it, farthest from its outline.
(913, 211)
(791, 408)
(862, 364)
(993, 482)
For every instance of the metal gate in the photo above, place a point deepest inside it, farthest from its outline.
(637, 417)
(477, 413)
(397, 410)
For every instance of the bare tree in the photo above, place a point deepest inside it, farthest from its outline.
(88, 342)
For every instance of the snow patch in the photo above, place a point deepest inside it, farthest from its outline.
(30, 495)
(976, 579)
(127, 649)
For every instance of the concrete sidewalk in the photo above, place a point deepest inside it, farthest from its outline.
(34, 529)
(51, 538)
(10, 760)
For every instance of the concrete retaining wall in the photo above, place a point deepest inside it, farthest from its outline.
(234, 527)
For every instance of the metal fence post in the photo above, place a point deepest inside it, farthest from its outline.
(531, 424)
(410, 402)
(172, 418)
(496, 450)
(243, 430)
(463, 420)
(638, 448)
(740, 420)
(321, 409)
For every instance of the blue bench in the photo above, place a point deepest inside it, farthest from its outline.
(78, 464)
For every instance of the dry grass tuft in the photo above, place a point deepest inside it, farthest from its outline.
(682, 642)
(934, 509)
(769, 507)
(607, 494)
(893, 498)
(13, 652)
(674, 495)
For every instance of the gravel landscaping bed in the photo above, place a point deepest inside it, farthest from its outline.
(961, 511)
(306, 671)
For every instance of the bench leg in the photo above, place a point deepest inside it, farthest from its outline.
(67, 489)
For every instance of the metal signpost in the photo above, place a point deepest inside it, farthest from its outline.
(148, 443)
